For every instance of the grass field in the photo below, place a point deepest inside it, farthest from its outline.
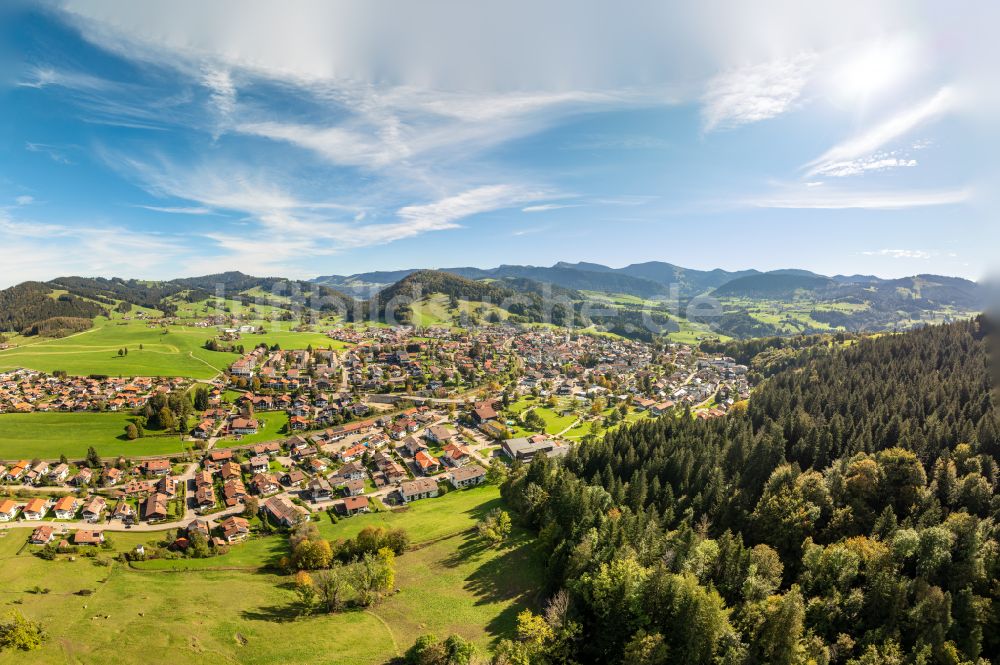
(49, 435)
(95, 351)
(179, 352)
(271, 424)
(435, 310)
(448, 584)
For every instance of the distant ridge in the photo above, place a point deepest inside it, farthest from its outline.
(777, 285)
(651, 279)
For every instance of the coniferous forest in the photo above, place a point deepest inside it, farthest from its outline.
(847, 514)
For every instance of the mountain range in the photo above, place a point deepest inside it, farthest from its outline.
(747, 303)
(654, 280)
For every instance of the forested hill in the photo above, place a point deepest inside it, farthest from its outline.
(32, 305)
(848, 515)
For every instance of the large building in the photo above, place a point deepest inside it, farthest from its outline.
(525, 448)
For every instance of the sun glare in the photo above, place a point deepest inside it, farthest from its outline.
(871, 71)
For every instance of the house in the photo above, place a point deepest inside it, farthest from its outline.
(204, 429)
(427, 463)
(317, 465)
(643, 403)
(283, 511)
(264, 483)
(661, 408)
(412, 445)
(234, 492)
(394, 472)
(421, 488)
(320, 489)
(17, 471)
(468, 476)
(155, 507)
(111, 476)
(351, 471)
(203, 477)
(244, 426)
(8, 510)
(220, 456)
(156, 467)
(293, 477)
(35, 509)
(167, 485)
(354, 487)
(353, 453)
(525, 448)
(43, 535)
(483, 412)
(88, 537)
(234, 529)
(259, 464)
(198, 526)
(123, 511)
(204, 497)
(83, 477)
(231, 470)
(93, 508)
(65, 508)
(269, 448)
(440, 434)
(59, 473)
(455, 455)
(353, 505)
(493, 429)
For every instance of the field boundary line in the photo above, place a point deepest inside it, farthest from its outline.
(388, 628)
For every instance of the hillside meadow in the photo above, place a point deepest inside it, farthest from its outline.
(238, 612)
(171, 351)
(49, 435)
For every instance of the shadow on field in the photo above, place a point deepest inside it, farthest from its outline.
(273, 613)
(510, 574)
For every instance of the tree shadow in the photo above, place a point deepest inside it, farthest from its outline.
(274, 613)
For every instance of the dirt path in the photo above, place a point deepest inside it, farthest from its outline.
(395, 644)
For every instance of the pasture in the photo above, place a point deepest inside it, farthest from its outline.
(49, 435)
(449, 583)
(171, 351)
(165, 352)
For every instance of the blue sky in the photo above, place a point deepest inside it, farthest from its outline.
(166, 139)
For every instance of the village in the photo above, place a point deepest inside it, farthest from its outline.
(399, 416)
(27, 391)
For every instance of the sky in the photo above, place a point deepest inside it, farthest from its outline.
(167, 139)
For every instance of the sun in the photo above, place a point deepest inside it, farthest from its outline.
(872, 70)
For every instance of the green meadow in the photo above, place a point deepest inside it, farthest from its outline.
(236, 613)
(49, 435)
(165, 352)
(152, 351)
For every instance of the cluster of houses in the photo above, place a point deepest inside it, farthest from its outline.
(27, 391)
(66, 507)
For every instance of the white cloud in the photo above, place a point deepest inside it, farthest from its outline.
(180, 210)
(821, 198)
(877, 162)
(900, 253)
(24, 200)
(755, 92)
(339, 145)
(444, 214)
(545, 207)
(284, 225)
(55, 153)
(41, 251)
(222, 89)
(867, 143)
(41, 77)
